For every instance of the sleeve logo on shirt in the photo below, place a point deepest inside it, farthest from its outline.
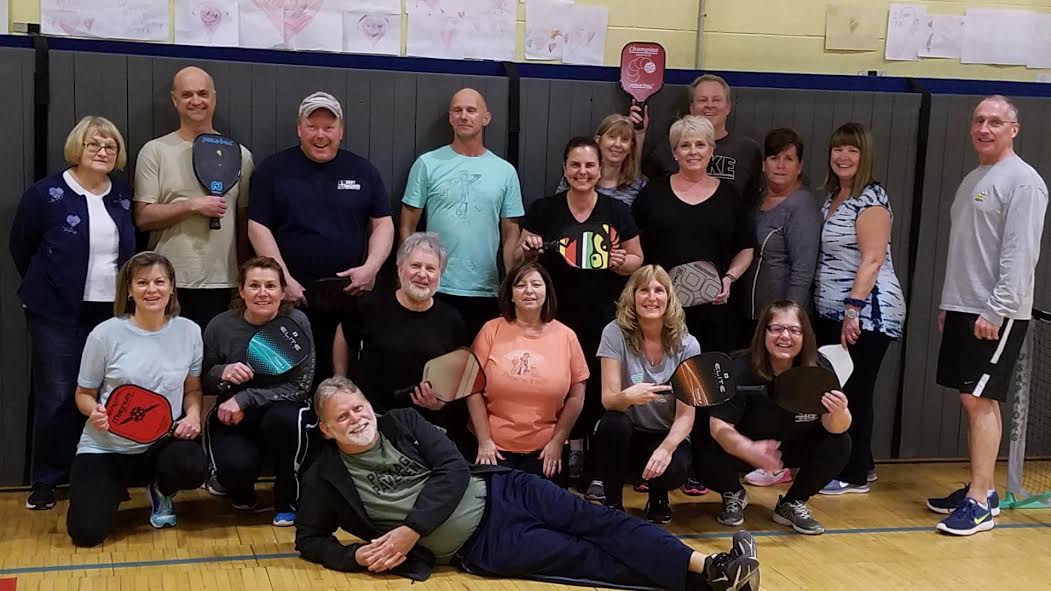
(980, 197)
(348, 185)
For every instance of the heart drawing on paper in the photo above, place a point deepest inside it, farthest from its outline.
(74, 24)
(290, 16)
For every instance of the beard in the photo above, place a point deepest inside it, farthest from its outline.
(363, 437)
(416, 294)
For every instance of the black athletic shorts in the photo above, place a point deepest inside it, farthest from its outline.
(979, 367)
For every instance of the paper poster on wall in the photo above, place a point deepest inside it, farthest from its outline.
(853, 27)
(944, 36)
(981, 46)
(906, 31)
(371, 32)
(457, 29)
(138, 20)
(1040, 56)
(586, 35)
(545, 28)
(292, 24)
(5, 18)
(206, 22)
(373, 6)
(435, 34)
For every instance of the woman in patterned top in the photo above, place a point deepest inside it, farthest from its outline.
(858, 299)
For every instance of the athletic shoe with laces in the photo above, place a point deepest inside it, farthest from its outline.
(967, 519)
(744, 545)
(284, 519)
(214, 488)
(726, 572)
(162, 508)
(657, 508)
(797, 515)
(947, 504)
(596, 492)
(871, 476)
(761, 477)
(694, 488)
(734, 503)
(840, 487)
(41, 498)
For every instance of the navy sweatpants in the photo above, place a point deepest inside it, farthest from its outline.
(534, 529)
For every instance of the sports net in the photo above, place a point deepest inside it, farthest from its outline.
(1029, 464)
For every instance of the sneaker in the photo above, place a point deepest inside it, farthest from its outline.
(596, 492)
(247, 503)
(657, 508)
(162, 512)
(744, 545)
(284, 519)
(761, 477)
(733, 508)
(871, 476)
(693, 488)
(641, 486)
(41, 498)
(214, 488)
(575, 463)
(948, 504)
(967, 519)
(839, 487)
(797, 515)
(726, 572)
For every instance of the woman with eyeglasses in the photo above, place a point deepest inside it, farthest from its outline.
(752, 431)
(71, 233)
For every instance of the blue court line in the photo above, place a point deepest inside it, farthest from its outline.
(285, 555)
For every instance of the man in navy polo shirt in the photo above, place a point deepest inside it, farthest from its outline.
(322, 212)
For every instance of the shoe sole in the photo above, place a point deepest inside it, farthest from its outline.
(940, 511)
(284, 523)
(44, 507)
(769, 483)
(845, 491)
(695, 492)
(162, 525)
(660, 521)
(806, 532)
(729, 523)
(984, 526)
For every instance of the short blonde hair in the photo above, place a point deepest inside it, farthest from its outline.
(691, 126)
(628, 318)
(89, 127)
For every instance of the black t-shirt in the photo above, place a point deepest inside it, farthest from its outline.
(396, 343)
(674, 232)
(319, 213)
(586, 298)
(756, 416)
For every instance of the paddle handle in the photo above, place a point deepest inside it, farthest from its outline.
(214, 224)
(642, 105)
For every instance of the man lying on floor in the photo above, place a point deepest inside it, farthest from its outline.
(398, 482)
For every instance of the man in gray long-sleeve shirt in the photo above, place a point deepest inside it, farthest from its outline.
(987, 299)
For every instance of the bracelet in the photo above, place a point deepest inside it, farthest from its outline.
(859, 304)
(730, 275)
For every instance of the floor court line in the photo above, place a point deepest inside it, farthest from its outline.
(286, 555)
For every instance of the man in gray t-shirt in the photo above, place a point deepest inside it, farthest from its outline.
(987, 299)
(738, 160)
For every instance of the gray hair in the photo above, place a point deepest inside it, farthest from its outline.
(426, 240)
(1011, 107)
(691, 126)
(329, 388)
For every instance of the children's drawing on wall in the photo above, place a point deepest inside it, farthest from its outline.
(370, 32)
(206, 22)
(586, 35)
(292, 24)
(546, 24)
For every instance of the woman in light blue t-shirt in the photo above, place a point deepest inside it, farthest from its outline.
(146, 344)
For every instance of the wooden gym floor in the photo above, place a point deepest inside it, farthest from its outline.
(883, 540)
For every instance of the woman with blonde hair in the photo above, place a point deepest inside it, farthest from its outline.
(71, 233)
(644, 425)
(620, 145)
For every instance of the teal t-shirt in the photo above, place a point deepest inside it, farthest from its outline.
(388, 483)
(464, 198)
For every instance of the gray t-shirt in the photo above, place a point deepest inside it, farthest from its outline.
(388, 483)
(657, 416)
(117, 353)
(994, 242)
(787, 241)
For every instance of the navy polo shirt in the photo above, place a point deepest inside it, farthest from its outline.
(319, 213)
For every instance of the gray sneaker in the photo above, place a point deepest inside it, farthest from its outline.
(797, 515)
(596, 492)
(733, 508)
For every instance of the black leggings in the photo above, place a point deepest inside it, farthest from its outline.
(867, 354)
(820, 456)
(98, 481)
(622, 448)
(278, 432)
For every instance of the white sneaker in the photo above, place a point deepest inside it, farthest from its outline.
(761, 477)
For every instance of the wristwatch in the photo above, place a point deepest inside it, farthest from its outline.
(851, 313)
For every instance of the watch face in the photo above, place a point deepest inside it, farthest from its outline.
(851, 313)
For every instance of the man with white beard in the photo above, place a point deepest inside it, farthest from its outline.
(400, 331)
(397, 483)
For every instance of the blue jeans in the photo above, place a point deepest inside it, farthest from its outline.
(534, 529)
(55, 352)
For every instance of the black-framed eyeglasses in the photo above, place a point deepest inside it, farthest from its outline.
(778, 329)
(96, 147)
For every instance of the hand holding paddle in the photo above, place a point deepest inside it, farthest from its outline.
(99, 419)
(696, 283)
(278, 347)
(642, 71)
(704, 380)
(452, 376)
(142, 416)
(802, 390)
(217, 166)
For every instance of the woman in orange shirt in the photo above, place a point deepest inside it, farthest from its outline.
(536, 372)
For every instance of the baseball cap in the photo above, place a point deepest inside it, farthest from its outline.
(320, 100)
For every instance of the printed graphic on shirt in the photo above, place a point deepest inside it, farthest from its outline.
(525, 365)
(348, 185)
(392, 476)
(723, 167)
(457, 192)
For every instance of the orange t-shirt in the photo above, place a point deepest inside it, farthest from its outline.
(528, 379)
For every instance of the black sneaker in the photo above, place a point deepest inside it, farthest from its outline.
(734, 503)
(744, 545)
(41, 499)
(657, 508)
(797, 515)
(726, 572)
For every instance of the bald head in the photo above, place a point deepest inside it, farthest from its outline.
(468, 96)
(193, 94)
(468, 116)
(192, 76)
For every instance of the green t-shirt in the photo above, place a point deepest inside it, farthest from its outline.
(388, 483)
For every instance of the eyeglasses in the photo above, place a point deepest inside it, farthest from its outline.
(777, 329)
(993, 123)
(95, 147)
